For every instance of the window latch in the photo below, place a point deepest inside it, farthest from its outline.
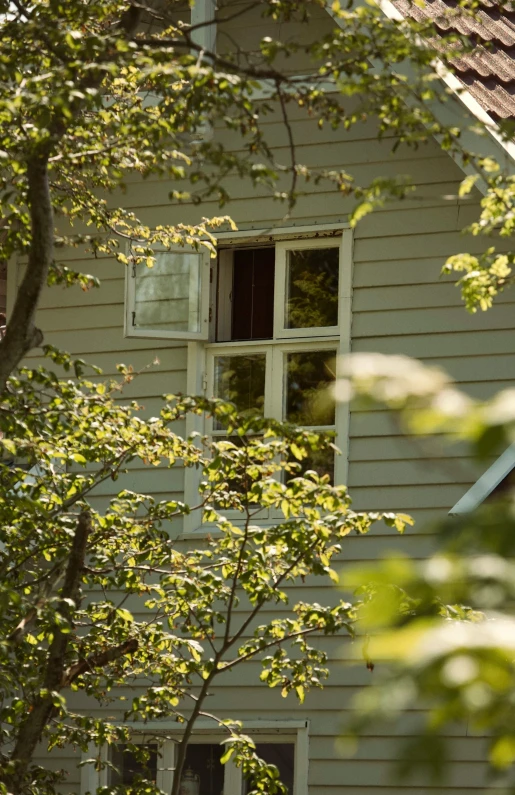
(133, 318)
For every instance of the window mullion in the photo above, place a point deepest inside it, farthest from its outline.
(274, 386)
(233, 779)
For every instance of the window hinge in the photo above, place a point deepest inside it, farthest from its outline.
(133, 318)
(204, 383)
(133, 270)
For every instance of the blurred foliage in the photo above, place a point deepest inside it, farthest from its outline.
(440, 633)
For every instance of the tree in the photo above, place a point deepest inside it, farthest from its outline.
(63, 562)
(92, 92)
(442, 631)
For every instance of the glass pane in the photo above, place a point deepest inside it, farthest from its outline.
(321, 461)
(312, 288)
(167, 296)
(241, 379)
(203, 773)
(310, 378)
(129, 768)
(282, 755)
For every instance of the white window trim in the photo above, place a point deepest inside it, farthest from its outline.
(282, 247)
(199, 354)
(486, 484)
(269, 731)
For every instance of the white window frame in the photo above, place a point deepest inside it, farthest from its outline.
(281, 262)
(201, 356)
(130, 330)
(295, 732)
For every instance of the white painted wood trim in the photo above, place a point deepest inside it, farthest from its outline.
(272, 731)
(488, 481)
(260, 234)
(203, 13)
(223, 294)
(300, 776)
(281, 278)
(195, 381)
(341, 464)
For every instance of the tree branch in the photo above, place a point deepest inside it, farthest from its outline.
(98, 661)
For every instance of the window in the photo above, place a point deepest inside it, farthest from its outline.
(203, 773)
(268, 320)
(169, 300)
(280, 319)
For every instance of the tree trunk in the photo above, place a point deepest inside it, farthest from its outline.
(21, 334)
(32, 726)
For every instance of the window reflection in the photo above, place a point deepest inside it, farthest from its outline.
(321, 461)
(312, 288)
(241, 379)
(167, 295)
(310, 376)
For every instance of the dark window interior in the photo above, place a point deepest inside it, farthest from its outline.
(253, 294)
(129, 766)
(282, 755)
(203, 766)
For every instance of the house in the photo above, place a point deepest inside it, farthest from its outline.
(242, 320)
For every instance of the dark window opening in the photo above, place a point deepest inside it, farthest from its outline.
(252, 294)
(132, 766)
(282, 755)
(203, 772)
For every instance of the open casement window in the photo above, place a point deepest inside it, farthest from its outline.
(171, 299)
(280, 320)
(203, 773)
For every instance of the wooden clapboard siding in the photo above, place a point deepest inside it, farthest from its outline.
(399, 306)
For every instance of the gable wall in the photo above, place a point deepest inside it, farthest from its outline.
(399, 306)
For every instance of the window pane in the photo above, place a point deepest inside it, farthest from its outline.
(129, 768)
(203, 773)
(253, 294)
(310, 378)
(312, 288)
(241, 379)
(167, 296)
(282, 755)
(321, 461)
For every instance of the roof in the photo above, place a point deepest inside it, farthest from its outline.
(488, 69)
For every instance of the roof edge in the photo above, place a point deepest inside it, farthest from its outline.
(457, 88)
(486, 484)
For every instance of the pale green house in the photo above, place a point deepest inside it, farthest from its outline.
(217, 324)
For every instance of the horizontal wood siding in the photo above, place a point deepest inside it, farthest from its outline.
(399, 306)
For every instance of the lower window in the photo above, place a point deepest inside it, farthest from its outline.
(290, 381)
(152, 757)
